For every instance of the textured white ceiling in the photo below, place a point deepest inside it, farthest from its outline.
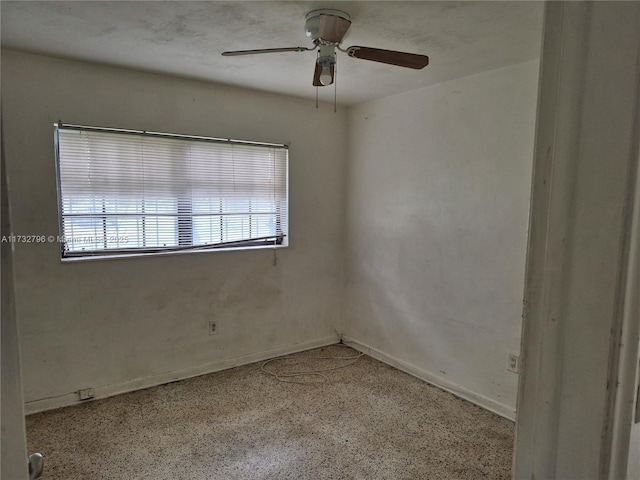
(186, 38)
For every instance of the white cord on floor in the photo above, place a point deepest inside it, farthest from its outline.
(287, 377)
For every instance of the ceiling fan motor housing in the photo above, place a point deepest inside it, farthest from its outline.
(312, 24)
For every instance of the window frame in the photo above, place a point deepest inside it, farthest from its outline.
(280, 241)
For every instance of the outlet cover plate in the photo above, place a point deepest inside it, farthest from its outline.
(513, 364)
(86, 394)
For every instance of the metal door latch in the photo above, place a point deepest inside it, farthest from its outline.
(36, 465)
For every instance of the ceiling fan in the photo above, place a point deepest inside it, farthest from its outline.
(327, 29)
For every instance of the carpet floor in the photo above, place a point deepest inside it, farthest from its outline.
(366, 421)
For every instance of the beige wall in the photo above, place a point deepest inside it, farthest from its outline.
(116, 325)
(438, 201)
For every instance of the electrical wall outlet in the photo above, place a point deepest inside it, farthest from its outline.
(513, 364)
(213, 328)
(86, 394)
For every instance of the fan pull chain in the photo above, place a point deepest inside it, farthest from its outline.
(317, 57)
(335, 87)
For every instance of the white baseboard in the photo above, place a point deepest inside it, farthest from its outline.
(458, 390)
(105, 391)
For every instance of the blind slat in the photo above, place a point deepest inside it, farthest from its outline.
(141, 193)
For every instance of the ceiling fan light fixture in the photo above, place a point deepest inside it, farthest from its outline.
(326, 60)
(325, 76)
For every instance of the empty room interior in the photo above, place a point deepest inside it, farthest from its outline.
(303, 264)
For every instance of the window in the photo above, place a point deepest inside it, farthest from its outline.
(129, 192)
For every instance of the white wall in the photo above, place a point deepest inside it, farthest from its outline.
(438, 197)
(437, 202)
(13, 453)
(121, 324)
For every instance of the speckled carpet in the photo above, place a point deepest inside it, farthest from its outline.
(367, 421)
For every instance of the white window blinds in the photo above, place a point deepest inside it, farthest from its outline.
(135, 192)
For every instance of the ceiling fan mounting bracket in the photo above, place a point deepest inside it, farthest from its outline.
(351, 51)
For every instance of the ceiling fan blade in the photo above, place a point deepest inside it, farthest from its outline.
(401, 59)
(266, 50)
(316, 75)
(333, 28)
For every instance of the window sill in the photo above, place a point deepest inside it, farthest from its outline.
(161, 254)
